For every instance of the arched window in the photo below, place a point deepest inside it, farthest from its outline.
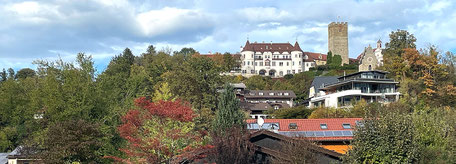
(370, 67)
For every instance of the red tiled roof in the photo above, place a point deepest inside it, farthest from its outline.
(311, 124)
(271, 47)
(315, 56)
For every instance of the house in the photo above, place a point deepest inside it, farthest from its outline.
(267, 146)
(270, 145)
(332, 134)
(271, 59)
(256, 102)
(371, 86)
(17, 156)
(320, 82)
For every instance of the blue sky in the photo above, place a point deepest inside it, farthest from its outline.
(49, 29)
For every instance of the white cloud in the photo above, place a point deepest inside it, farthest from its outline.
(169, 20)
(261, 14)
(438, 6)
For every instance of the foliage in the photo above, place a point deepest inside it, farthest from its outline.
(385, 138)
(399, 40)
(158, 131)
(228, 114)
(71, 141)
(258, 82)
(25, 73)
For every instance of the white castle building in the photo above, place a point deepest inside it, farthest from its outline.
(271, 59)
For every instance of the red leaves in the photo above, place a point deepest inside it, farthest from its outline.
(144, 144)
(177, 110)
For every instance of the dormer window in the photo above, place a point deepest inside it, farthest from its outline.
(271, 94)
(261, 93)
(286, 93)
(323, 126)
(346, 126)
(292, 126)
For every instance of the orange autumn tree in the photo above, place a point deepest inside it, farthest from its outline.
(158, 131)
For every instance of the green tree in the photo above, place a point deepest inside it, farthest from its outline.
(228, 113)
(24, 73)
(388, 137)
(399, 40)
(71, 141)
(329, 58)
(336, 61)
(258, 82)
(11, 74)
(3, 75)
(163, 93)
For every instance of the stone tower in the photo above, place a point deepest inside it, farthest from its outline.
(338, 40)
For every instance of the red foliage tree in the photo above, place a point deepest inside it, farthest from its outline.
(158, 131)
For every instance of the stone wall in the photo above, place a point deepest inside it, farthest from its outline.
(338, 40)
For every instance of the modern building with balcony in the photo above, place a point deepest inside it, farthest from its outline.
(371, 86)
(256, 102)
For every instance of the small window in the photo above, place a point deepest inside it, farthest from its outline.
(293, 126)
(261, 93)
(323, 126)
(346, 126)
(271, 94)
(286, 93)
(276, 107)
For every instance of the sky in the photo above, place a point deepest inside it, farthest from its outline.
(53, 29)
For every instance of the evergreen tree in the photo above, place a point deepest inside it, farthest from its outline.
(3, 75)
(329, 58)
(228, 115)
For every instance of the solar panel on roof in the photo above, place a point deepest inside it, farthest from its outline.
(310, 134)
(329, 133)
(337, 133)
(347, 133)
(319, 134)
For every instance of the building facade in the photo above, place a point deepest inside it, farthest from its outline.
(338, 40)
(371, 86)
(256, 102)
(371, 58)
(271, 59)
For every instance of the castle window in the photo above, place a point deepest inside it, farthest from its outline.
(273, 63)
(252, 71)
(288, 71)
(261, 63)
(286, 93)
(293, 71)
(288, 63)
(280, 63)
(271, 94)
(292, 63)
(370, 67)
(299, 62)
(266, 47)
(256, 63)
(261, 93)
(248, 62)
